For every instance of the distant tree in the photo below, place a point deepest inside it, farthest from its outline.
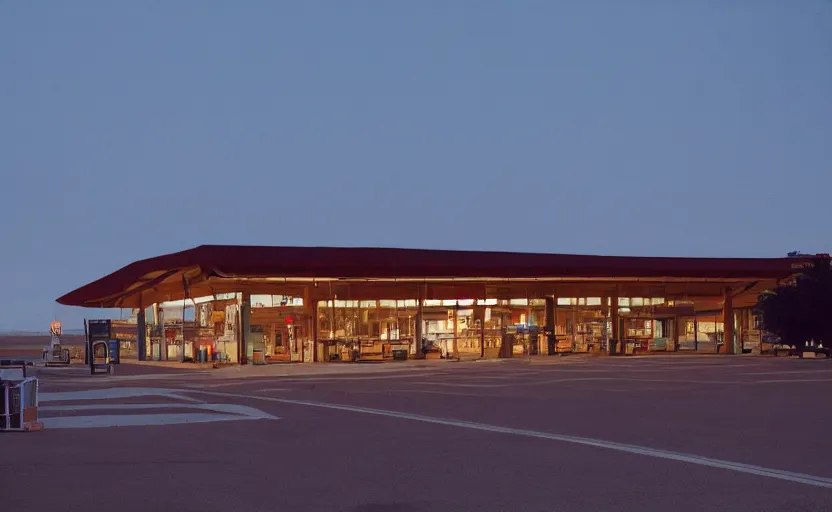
(798, 312)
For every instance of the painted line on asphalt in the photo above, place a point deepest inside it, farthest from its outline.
(502, 376)
(111, 394)
(802, 478)
(289, 379)
(242, 410)
(120, 378)
(680, 367)
(209, 412)
(420, 391)
(581, 379)
(140, 420)
(790, 381)
(790, 372)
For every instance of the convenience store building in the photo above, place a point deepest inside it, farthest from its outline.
(316, 304)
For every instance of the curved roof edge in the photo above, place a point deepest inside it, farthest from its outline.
(366, 262)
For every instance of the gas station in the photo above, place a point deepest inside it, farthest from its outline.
(250, 304)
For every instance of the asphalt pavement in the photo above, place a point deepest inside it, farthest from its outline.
(575, 434)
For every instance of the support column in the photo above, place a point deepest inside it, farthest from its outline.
(417, 342)
(479, 312)
(728, 322)
(185, 296)
(163, 339)
(616, 326)
(739, 331)
(311, 308)
(245, 326)
(455, 346)
(550, 326)
(314, 308)
(141, 334)
(677, 329)
(695, 331)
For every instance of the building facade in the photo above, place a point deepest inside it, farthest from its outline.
(260, 304)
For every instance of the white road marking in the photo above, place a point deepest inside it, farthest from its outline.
(336, 378)
(504, 376)
(111, 394)
(790, 381)
(662, 367)
(425, 391)
(789, 372)
(580, 379)
(242, 410)
(216, 412)
(127, 378)
(137, 420)
(816, 481)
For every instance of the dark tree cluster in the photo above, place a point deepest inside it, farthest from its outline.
(801, 311)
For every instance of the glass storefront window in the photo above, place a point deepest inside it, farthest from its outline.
(593, 301)
(273, 301)
(487, 302)
(519, 302)
(466, 302)
(429, 303)
(367, 304)
(449, 303)
(710, 327)
(623, 302)
(261, 301)
(636, 301)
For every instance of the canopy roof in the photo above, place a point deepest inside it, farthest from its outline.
(380, 272)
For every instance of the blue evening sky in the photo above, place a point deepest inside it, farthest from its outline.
(132, 129)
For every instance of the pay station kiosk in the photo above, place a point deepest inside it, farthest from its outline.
(102, 349)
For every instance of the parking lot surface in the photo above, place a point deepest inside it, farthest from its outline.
(684, 433)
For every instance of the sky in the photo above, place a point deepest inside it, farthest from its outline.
(134, 129)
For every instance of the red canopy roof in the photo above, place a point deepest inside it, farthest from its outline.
(329, 262)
